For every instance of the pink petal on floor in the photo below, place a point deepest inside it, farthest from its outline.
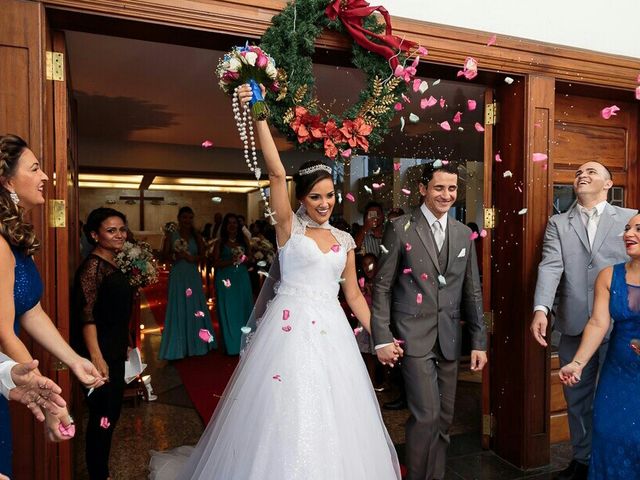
(483, 233)
(424, 276)
(398, 106)
(205, 335)
(419, 298)
(457, 118)
(478, 127)
(406, 191)
(443, 102)
(608, 112)
(407, 271)
(188, 292)
(428, 102)
(335, 248)
(407, 247)
(416, 84)
(445, 126)
(286, 328)
(539, 157)
(207, 144)
(104, 423)
(474, 235)
(199, 314)
(498, 157)
(471, 105)
(285, 314)
(350, 197)
(492, 40)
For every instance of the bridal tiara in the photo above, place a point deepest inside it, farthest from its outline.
(314, 169)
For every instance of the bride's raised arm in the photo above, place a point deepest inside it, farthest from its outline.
(279, 196)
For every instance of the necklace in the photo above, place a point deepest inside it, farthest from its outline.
(242, 119)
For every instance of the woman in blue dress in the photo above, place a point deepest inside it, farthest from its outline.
(234, 297)
(187, 311)
(615, 451)
(22, 186)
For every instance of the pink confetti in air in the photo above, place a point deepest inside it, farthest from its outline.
(350, 197)
(407, 247)
(398, 107)
(405, 98)
(346, 153)
(226, 282)
(457, 118)
(638, 93)
(608, 112)
(205, 335)
(277, 377)
(104, 423)
(407, 271)
(539, 157)
(286, 328)
(207, 144)
(428, 102)
(335, 248)
(361, 282)
(188, 292)
(199, 314)
(478, 127)
(69, 431)
(357, 331)
(416, 84)
(498, 158)
(519, 189)
(406, 191)
(473, 236)
(470, 69)
(419, 298)
(424, 276)
(445, 126)
(492, 40)
(285, 315)
(483, 233)
(377, 186)
(424, 51)
(471, 105)
(443, 102)
(396, 167)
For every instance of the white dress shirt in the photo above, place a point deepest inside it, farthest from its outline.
(6, 382)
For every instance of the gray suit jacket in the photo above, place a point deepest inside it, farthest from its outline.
(569, 267)
(395, 305)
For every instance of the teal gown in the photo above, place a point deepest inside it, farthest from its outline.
(187, 310)
(234, 303)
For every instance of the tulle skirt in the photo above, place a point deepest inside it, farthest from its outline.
(300, 405)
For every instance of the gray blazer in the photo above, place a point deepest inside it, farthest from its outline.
(569, 267)
(395, 305)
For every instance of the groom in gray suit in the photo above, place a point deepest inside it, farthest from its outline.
(577, 245)
(427, 282)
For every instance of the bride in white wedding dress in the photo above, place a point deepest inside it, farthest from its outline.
(300, 404)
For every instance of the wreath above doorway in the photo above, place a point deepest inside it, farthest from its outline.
(297, 113)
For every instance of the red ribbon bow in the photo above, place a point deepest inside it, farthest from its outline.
(352, 14)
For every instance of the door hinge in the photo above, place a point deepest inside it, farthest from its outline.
(487, 318)
(57, 214)
(488, 425)
(55, 66)
(491, 113)
(490, 217)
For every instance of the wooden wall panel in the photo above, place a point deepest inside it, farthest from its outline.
(578, 143)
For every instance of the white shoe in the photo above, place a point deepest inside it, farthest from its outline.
(147, 383)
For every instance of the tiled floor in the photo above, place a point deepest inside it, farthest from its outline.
(172, 421)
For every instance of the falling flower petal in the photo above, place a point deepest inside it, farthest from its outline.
(498, 157)
(407, 271)
(398, 107)
(285, 315)
(442, 281)
(483, 233)
(407, 225)
(361, 282)
(226, 282)
(339, 198)
(478, 127)
(245, 330)
(199, 314)
(437, 163)
(437, 82)
(443, 102)
(457, 118)
(522, 212)
(539, 157)
(413, 118)
(350, 197)
(405, 98)
(423, 51)
(406, 191)
(428, 102)
(507, 173)
(377, 171)
(69, 431)
(508, 80)
(377, 186)
(188, 292)
(470, 69)
(261, 263)
(207, 144)
(335, 248)
(416, 84)
(357, 331)
(277, 377)
(396, 167)
(205, 335)
(471, 105)
(263, 273)
(384, 249)
(104, 423)
(346, 153)
(424, 86)
(419, 298)
(473, 236)
(638, 93)
(424, 276)
(216, 199)
(286, 328)
(445, 126)
(407, 247)
(608, 112)
(367, 189)
(402, 123)
(492, 40)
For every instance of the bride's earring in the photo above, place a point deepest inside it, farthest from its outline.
(14, 197)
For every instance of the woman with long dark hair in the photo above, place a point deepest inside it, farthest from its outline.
(234, 298)
(187, 310)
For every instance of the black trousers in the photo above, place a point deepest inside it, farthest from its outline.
(105, 404)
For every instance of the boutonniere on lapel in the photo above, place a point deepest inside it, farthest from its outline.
(462, 253)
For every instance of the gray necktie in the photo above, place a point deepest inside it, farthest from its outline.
(592, 226)
(438, 234)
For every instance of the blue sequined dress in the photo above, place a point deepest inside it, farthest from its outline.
(615, 453)
(27, 291)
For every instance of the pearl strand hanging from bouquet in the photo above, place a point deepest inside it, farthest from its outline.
(242, 120)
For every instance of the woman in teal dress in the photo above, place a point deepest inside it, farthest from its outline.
(187, 311)
(234, 298)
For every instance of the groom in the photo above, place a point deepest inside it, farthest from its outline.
(426, 284)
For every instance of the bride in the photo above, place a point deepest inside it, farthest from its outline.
(300, 404)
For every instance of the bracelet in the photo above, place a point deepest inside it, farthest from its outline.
(577, 363)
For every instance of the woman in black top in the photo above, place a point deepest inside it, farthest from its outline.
(102, 307)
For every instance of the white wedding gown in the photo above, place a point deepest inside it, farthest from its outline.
(300, 404)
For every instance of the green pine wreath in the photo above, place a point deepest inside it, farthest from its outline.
(295, 111)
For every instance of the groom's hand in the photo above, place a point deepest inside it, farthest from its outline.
(478, 360)
(389, 354)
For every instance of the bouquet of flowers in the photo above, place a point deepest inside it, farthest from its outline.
(250, 64)
(180, 246)
(169, 227)
(238, 255)
(263, 252)
(136, 261)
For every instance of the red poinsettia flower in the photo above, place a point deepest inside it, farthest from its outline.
(330, 149)
(355, 133)
(308, 127)
(333, 132)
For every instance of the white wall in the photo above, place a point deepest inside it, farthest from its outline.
(609, 27)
